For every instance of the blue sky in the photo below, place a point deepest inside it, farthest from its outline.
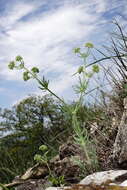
(44, 32)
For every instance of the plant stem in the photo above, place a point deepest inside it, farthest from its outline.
(40, 82)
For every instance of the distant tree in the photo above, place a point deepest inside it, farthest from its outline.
(32, 122)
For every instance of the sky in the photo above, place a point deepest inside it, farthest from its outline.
(44, 33)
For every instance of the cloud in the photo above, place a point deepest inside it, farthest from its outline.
(46, 40)
(45, 34)
(14, 13)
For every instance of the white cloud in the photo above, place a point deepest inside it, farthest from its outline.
(15, 13)
(46, 39)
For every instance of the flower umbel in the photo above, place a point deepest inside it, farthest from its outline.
(89, 45)
(76, 50)
(35, 70)
(11, 65)
(18, 58)
(95, 68)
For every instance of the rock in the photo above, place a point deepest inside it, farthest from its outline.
(33, 184)
(67, 168)
(93, 128)
(61, 165)
(32, 179)
(55, 159)
(64, 165)
(37, 171)
(69, 149)
(57, 188)
(54, 188)
(124, 183)
(99, 178)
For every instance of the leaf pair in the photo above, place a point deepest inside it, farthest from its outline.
(43, 84)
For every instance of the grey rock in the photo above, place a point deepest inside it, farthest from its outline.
(54, 188)
(33, 184)
(124, 183)
(102, 177)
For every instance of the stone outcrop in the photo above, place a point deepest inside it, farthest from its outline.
(69, 149)
(111, 176)
(67, 168)
(106, 180)
(36, 178)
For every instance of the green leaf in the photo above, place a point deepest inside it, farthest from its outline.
(37, 157)
(125, 86)
(43, 148)
(42, 88)
(80, 69)
(45, 83)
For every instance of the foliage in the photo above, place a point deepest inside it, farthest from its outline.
(71, 114)
(57, 180)
(81, 134)
(43, 158)
(3, 187)
(80, 89)
(30, 123)
(39, 158)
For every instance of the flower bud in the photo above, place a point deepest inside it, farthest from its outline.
(26, 76)
(11, 65)
(77, 50)
(89, 45)
(35, 70)
(18, 58)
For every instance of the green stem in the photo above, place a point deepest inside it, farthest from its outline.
(76, 125)
(50, 91)
(86, 154)
(55, 95)
(50, 173)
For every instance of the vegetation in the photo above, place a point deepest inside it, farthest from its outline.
(31, 123)
(48, 121)
(80, 133)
